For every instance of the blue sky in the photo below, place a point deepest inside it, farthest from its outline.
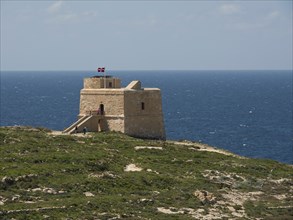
(146, 35)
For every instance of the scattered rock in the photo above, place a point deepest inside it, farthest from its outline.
(2, 200)
(33, 210)
(49, 191)
(281, 207)
(106, 174)
(7, 180)
(235, 197)
(36, 189)
(280, 181)
(208, 214)
(15, 197)
(194, 148)
(24, 177)
(132, 168)
(280, 197)
(231, 209)
(148, 147)
(236, 214)
(169, 211)
(29, 202)
(88, 194)
(150, 170)
(227, 179)
(156, 193)
(146, 201)
(205, 197)
(46, 190)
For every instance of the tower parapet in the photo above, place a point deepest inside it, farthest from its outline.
(99, 82)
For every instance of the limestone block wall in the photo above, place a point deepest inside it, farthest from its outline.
(92, 125)
(143, 113)
(91, 99)
(103, 123)
(142, 102)
(112, 123)
(92, 83)
(98, 83)
(145, 127)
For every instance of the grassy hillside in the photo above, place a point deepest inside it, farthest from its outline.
(46, 175)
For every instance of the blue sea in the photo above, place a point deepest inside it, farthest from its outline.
(246, 112)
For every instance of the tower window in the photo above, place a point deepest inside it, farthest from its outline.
(142, 106)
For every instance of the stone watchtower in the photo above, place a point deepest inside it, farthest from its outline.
(133, 110)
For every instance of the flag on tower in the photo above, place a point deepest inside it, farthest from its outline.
(101, 69)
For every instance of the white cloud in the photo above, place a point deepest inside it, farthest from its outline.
(245, 26)
(67, 17)
(90, 14)
(63, 18)
(55, 7)
(152, 20)
(273, 15)
(59, 14)
(229, 9)
(263, 22)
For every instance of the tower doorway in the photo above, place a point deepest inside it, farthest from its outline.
(102, 109)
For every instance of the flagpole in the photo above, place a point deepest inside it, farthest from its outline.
(105, 78)
(103, 70)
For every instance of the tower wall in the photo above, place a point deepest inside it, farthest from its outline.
(91, 99)
(143, 113)
(99, 83)
(113, 103)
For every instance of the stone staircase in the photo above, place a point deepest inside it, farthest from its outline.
(80, 123)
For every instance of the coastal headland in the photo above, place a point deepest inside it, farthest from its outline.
(108, 175)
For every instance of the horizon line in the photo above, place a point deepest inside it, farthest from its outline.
(149, 70)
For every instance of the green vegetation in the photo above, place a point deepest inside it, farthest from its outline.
(53, 176)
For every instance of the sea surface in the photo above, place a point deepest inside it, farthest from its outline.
(246, 112)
